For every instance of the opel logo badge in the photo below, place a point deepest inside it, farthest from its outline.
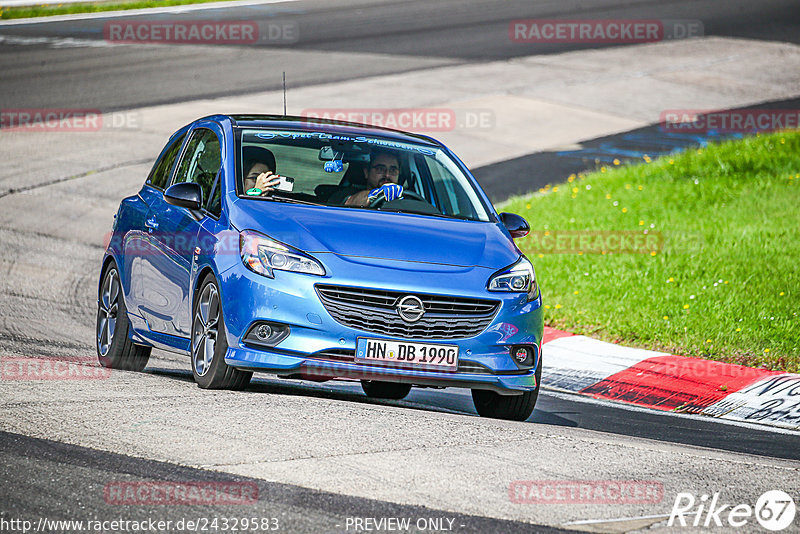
(410, 309)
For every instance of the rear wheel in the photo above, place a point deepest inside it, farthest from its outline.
(209, 343)
(385, 390)
(115, 349)
(510, 407)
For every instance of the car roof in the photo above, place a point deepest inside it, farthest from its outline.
(310, 124)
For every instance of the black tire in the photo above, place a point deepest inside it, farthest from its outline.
(509, 407)
(115, 349)
(213, 374)
(385, 390)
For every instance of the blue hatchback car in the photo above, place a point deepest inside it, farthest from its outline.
(317, 250)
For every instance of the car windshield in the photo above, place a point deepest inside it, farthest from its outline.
(341, 170)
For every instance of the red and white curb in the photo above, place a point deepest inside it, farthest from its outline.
(662, 381)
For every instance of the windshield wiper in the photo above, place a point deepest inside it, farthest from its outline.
(441, 215)
(290, 200)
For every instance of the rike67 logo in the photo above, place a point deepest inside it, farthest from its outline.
(774, 510)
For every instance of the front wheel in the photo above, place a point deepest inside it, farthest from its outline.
(385, 390)
(209, 343)
(510, 407)
(115, 349)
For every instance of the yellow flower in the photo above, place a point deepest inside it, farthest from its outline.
(547, 306)
(666, 317)
(547, 232)
(608, 197)
(580, 253)
(574, 189)
(783, 141)
(685, 306)
(573, 195)
(766, 350)
(738, 329)
(624, 210)
(699, 150)
(527, 206)
(616, 161)
(571, 178)
(708, 341)
(555, 189)
(640, 188)
(602, 169)
(782, 293)
(627, 186)
(652, 252)
(541, 255)
(671, 279)
(672, 162)
(558, 306)
(575, 292)
(647, 158)
(641, 223)
(726, 281)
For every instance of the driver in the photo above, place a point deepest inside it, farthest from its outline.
(381, 178)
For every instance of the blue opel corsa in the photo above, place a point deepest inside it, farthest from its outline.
(317, 250)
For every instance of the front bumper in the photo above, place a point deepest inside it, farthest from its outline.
(320, 348)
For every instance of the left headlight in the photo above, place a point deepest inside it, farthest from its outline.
(518, 278)
(263, 255)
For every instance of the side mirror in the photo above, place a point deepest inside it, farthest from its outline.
(185, 195)
(516, 225)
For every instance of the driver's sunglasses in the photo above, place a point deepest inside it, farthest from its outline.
(389, 171)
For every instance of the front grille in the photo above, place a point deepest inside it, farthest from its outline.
(473, 368)
(347, 355)
(373, 310)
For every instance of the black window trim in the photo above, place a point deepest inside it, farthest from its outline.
(161, 156)
(217, 178)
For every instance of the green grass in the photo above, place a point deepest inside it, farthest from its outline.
(46, 10)
(725, 285)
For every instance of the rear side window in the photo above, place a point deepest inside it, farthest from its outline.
(160, 174)
(201, 161)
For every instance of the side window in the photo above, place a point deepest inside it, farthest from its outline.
(160, 174)
(452, 196)
(201, 161)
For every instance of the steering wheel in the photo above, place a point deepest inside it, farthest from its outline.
(410, 195)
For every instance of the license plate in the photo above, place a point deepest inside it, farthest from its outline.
(404, 354)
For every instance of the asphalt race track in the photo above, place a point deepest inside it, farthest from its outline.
(320, 455)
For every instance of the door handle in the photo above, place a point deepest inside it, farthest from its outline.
(151, 224)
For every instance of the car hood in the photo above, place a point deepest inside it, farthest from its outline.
(364, 234)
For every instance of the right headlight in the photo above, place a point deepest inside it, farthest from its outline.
(518, 278)
(263, 255)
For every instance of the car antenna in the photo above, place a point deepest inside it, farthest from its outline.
(284, 93)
